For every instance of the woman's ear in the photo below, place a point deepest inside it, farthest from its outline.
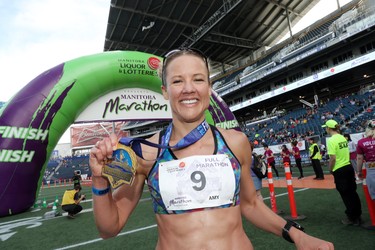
(164, 92)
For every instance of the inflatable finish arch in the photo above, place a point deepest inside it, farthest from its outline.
(34, 120)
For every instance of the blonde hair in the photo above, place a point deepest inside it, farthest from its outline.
(337, 128)
(370, 132)
(370, 129)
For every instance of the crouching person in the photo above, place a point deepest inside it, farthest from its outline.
(71, 201)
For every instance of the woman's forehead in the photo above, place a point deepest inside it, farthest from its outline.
(186, 57)
(186, 62)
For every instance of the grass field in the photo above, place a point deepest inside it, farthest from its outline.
(323, 209)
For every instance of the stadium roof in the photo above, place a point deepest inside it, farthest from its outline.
(226, 31)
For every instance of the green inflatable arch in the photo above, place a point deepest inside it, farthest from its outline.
(34, 120)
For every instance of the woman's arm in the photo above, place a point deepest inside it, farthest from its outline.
(112, 209)
(332, 162)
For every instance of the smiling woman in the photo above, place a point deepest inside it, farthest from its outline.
(33, 121)
(198, 174)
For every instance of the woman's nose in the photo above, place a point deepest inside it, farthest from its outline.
(189, 86)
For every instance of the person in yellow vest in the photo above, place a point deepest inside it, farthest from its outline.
(343, 173)
(71, 200)
(315, 158)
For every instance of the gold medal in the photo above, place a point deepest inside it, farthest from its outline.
(122, 167)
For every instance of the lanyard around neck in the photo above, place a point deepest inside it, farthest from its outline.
(193, 136)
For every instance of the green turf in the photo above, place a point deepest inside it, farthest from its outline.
(323, 210)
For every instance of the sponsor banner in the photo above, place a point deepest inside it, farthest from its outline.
(134, 103)
(276, 149)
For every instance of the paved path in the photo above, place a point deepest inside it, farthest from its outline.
(307, 182)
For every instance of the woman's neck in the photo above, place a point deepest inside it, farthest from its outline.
(181, 129)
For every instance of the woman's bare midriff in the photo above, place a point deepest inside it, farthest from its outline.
(214, 229)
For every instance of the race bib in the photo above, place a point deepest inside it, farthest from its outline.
(197, 182)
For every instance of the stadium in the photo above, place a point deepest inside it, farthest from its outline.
(278, 90)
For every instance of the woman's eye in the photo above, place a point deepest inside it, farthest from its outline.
(176, 81)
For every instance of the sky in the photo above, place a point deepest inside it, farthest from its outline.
(37, 35)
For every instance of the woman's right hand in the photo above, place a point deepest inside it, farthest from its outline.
(101, 153)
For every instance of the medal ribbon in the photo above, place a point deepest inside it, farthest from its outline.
(193, 136)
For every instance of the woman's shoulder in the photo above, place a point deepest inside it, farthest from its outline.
(232, 134)
(234, 138)
(149, 153)
(238, 143)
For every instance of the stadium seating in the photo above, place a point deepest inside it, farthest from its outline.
(351, 116)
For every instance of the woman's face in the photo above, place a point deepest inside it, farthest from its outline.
(187, 87)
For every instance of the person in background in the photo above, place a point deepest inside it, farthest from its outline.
(323, 152)
(353, 155)
(297, 156)
(195, 207)
(76, 178)
(285, 154)
(366, 156)
(268, 154)
(71, 201)
(343, 173)
(315, 158)
(257, 181)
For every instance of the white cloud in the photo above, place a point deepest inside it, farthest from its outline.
(40, 34)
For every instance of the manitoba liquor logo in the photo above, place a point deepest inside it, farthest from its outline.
(153, 63)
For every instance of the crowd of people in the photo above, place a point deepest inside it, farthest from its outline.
(286, 132)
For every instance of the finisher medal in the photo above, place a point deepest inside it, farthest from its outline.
(121, 169)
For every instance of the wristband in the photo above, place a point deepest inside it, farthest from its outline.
(288, 225)
(100, 192)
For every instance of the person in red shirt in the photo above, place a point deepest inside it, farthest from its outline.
(285, 154)
(297, 156)
(268, 155)
(366, 156)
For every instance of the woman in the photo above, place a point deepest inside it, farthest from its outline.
(315, 158)
(343, 173)
(366, 155)
(268, 154)
(198, 225)
(285, 154)
(297, 156)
